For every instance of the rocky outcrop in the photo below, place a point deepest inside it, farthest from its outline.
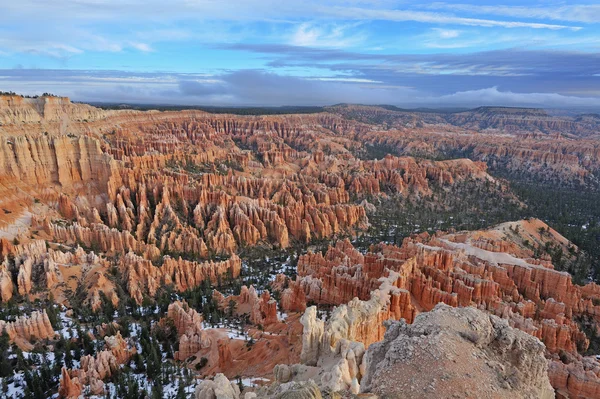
(455, 270)
(261, 309)
(292, 390)
(458, 269)
(28, 328)
(451, 351)
(17, 110)
(579, 379)
(337, 345)
(185, 319)
(94, 369)
(190, 330)
(220, 388)
(6, 285)
(69, 388)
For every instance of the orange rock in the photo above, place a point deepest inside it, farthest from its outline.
(94, 369)
(261, 309)
(578, 380)
(225, 359)
(69, 388)
(144, 278)
(27, 328)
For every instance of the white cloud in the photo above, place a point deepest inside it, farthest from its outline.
(259, 10)
(332, 36)
(141, 47)
(446, 33)
(572, 13)
(493, 96)
(434, 18)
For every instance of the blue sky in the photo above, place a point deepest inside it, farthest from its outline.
(250, 52)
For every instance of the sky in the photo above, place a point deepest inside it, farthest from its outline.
(304, 52)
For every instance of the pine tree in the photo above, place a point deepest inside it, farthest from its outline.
(181, 391)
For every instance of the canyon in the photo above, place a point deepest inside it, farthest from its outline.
(139, 229)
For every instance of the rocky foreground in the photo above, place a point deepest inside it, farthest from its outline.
(127, 217)
(447, 352)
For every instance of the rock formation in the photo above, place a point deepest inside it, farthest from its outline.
(220, 388)
(143, 278)
(459, 269)
(579, 379)
(451, 351)
(94, 369)
(27, 328)
(189, 327)
(261, 309)
(159, 199)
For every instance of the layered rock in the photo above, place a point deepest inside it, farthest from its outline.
(189, 327)
(459, 269)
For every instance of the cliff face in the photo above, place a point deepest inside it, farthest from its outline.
(59, 160)
(17, 110)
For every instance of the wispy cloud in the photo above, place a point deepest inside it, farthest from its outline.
(493, 96)
(571, 13)
(141, 47)
(331, 35)
(354, 13)
(446, 33)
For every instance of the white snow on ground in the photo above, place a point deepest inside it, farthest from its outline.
(237, 334)
(169, 390)
(281, 316)
(135, 329)
(68, 330)
(16, 386)
(253, 381)
(232, 332)
(493, 257)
